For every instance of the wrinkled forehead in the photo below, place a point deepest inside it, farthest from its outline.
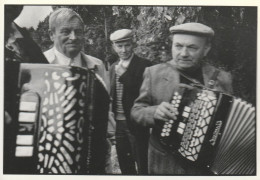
(189, 39)
(70, 22)
(126, 42)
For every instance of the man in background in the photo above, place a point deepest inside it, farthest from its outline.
(126, 76)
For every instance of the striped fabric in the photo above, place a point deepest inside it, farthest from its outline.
(119, 106)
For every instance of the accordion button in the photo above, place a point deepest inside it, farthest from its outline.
(166, 125)
(181, 149)
(24, 139)
(187, 153)
(40, 148)
(182, 125)
(209, 105)
(214, 102)
(168, 130)
(187, 109)
(167, 133)
(203, 123)
(194, 151)
(212, 97)
(198, 148)
(208, 120)
(24, 151)
(169, 125)
(176, 93)
(206, 114)
(179, 97)
(26, 117)
(205, 129)
(211, 110)
(164, 130)
(54, 150)
(173, 102)
(171, 121)
(201, 139)
(195, 156)
(185, 114)
(180, 131)
(176, 105)
(196, 142)
(40, 156)
(174, 97)
(162, 134)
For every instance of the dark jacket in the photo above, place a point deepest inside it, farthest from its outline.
(132, 80)
(31, 51)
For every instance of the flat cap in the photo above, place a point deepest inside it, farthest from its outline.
(121, 35)
(192, 28)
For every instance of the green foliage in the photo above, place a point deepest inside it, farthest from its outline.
(233, 48)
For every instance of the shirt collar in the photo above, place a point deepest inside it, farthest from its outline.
(64, 60)
(125, 63)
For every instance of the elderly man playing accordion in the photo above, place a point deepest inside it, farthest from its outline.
(191, 43)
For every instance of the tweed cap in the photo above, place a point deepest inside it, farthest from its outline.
(121, 35)
(192, 28)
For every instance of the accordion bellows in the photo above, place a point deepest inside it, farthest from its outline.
(213, 130)
(61, 121)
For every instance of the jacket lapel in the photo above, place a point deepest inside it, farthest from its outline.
(131, 70)
(170, 81)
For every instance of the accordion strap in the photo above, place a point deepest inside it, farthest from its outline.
(212, 80)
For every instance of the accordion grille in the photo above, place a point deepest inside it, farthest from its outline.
(235, 153)
(61, 131)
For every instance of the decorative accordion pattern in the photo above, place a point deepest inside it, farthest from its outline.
(61, 121)
(198, 115)
(214, 130)
(61, 133)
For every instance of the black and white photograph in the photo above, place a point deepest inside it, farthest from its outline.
(129, 90)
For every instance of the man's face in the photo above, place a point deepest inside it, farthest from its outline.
(68, 36)
(124, 49)
(188, 50)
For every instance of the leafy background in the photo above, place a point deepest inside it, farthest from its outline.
(233, 49)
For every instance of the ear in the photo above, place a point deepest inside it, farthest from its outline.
(207, 49)
(51, 34)
(113, 45)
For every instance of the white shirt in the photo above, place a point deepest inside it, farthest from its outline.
(125, 63)
(122, 66)
(64, 60)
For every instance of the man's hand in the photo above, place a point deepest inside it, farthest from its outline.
(165, 111)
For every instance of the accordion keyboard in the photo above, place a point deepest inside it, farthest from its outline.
(197, 117)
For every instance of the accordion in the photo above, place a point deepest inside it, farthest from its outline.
(212, 130)
(59, 120)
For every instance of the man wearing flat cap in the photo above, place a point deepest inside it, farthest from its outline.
(190, 45)
(125, 79)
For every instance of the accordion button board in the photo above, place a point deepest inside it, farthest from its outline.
(206, 120)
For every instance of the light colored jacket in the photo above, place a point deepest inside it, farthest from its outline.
(159, 84)
(90, 62)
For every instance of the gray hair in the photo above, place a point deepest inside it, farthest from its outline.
(60, 14)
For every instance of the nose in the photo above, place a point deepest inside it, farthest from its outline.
(184, 52)
(72, 35)
(123, 49)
